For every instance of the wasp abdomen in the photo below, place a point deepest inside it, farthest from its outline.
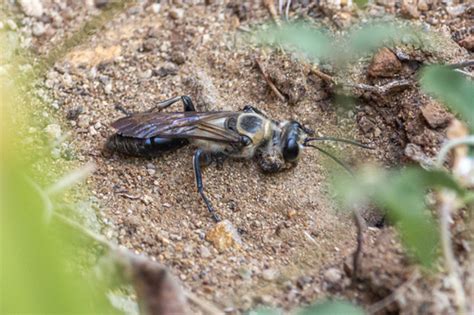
(143, 147)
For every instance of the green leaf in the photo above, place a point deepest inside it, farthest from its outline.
(402, 195)
(332, 308)
(452, 89)
(300, 37)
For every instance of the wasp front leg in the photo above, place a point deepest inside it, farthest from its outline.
(198, 155)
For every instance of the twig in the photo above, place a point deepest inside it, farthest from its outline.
(322, 75)
(269, 82)
(270, 5)
(448, 206)
(443, 152)
(386, 301)
(360, 224)
(382, 89)
(465, 73)
(460, 65)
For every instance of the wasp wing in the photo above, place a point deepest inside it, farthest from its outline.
(196, 125)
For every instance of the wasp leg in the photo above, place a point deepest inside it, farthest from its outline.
(188, 104)
(251, 109)
(197, 173)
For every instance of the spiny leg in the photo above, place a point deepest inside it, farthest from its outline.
(188, 104)
(197, 173)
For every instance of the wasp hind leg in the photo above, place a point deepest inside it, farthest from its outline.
(188, 104)
(198, 155)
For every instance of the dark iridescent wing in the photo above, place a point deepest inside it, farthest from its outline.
(197, 125)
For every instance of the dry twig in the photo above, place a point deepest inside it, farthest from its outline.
(269, 82)
(270, 5)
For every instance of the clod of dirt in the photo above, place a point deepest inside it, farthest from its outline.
(436, 116)
(224, 236)
(409, 9)
(203, 91)
(468, 43)
(384, 64)
(292, 85)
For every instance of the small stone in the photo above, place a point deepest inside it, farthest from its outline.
(38, 29)
(100, 4)
(384, 64)
(145, 74)
(177, 13)
(291, 213)
(456, 10)
(108, 88)
(92, 131)
(149, 44)
(377, 132)
(366, 125)
(468, 43)
(168, 68)
(270, 274)
(333, 275)
(178, 57)
(204, 252)
(224, 236)
(245, 273)
(74, 113)
(410, 10)
(155, 8)
(303, 281)
(422, 5)
(436, 115)
(32, 8)
(53, 131)
(84, 121)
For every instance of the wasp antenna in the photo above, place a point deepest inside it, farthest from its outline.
(338, 140)
(335, 159)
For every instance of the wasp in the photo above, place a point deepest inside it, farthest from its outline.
(246, 134)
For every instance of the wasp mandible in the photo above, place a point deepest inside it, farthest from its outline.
(246, 134)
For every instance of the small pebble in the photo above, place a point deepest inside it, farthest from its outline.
(38, 29)
(332, 275)
(155, 8)
(177, 13)
(269, 274)
(32, 8)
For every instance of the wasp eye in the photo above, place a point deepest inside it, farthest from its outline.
(291, 150)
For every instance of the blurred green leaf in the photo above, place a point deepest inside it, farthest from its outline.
(402, 195)
(361, 3)
(332, 308)
(452, 89)
(299, 36)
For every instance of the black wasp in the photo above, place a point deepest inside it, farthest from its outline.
(246, 134)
